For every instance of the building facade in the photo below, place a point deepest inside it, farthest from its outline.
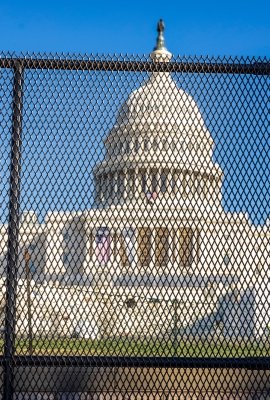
(157, 247)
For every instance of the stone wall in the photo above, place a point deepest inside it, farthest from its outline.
(63, 310)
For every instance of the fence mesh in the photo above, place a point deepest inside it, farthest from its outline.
(134, 227)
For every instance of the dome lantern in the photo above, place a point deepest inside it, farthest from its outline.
(160, 53)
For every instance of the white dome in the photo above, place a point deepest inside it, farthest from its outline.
(159, 138)
(159, 102)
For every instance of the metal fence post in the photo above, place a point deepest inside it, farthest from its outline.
(13, 233)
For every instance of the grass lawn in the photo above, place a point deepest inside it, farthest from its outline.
(137, 347)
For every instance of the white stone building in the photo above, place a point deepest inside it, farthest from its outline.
(173, 256)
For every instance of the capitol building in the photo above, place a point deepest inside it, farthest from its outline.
(156, 252)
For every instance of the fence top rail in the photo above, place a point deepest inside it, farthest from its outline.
(219, 65)
(252, 363)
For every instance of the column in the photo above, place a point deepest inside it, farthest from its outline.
(187, 183)
(175, 188)
(97, 187)
(153, 249)
(136, 183)
(194, 184)
(211, 187)
(170, 247)
(112, 245)
(109, 185)
(148, 181)
(140, 183)
(182, 183)
(131, 145)
(132, 183)
(198, 245)
(169, 183)
(125, 183)
(206, 186)
(101, 194)
(176, 246)
(115, 186)
(191, 183)
(94, 256)
(105, 187)
(143, 181)
(158, 178)
(217, 187)
(136, 258)
(118, 248)
(199, 185)
(140, 139)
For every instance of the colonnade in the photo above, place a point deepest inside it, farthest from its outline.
(120, 185)
(140, 145)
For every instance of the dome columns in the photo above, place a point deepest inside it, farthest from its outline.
(125, 185)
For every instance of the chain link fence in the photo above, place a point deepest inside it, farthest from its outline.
(134, 227)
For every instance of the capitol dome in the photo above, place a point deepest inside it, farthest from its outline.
(161, 104)
(158, 140)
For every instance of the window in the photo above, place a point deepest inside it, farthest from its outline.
(65, 258)
(146, 144)
(137, 145)
(173, 183)
(144, 189)
(32, 267)
(163, 183)
(226, 259)
(130, 303)
(155, 144)
(66, 236)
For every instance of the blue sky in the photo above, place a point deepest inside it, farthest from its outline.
(193, 27)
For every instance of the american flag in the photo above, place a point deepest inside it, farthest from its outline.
(103, 245)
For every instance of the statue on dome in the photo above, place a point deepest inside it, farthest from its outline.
(160, 39)
(160, 26)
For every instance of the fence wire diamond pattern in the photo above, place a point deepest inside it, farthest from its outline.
(134, 227)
